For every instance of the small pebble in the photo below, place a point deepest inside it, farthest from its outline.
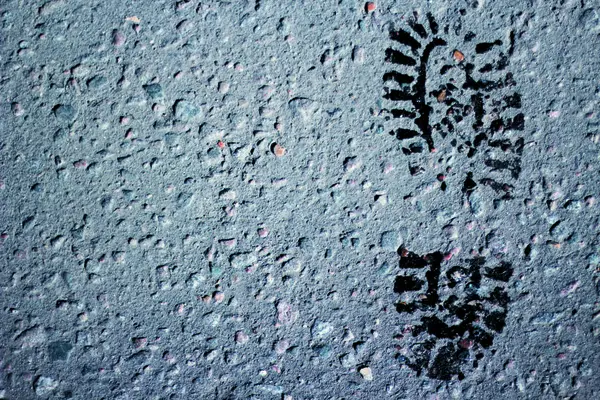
(278, 150)
(139, 342)
(43, 386)
(154, 90)
(390, 240)
(64, 112)
(358, 55)
(59, 350)
(227, 194)
(97, 82)
(451, 232)
(218, 297)
(304, 108)
(263, 232)
(321, 329)
(223, 87)
(17, 109)
(286, 315)
(241, 337)
(323, 351)
(118, 39)
(442, 96)
(281, 346)
(458, 56)
(348, 360)
(351, 164)
(366, 373)
(242, 260)
(186, 111)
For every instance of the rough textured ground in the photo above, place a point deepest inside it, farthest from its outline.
(299, 199)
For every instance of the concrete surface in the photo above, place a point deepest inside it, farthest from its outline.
(299, 199)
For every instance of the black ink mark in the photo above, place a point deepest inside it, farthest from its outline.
(415, 94)
(460, 323)
(468, 104)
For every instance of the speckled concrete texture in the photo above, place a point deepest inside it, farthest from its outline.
(299, 200)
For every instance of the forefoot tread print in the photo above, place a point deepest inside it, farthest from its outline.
(461, 307)
(463, 103)
(466, 107)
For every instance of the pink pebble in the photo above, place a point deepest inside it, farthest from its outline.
(282, 346)
(230, 211)
(241, 337)
(229, 242)
(169, 357)
(263, 232)
(286, 314)
(590, 201)
(210, 253)
(17, 109)
(80, 164)
(570, 288)
(218, 297)
(282, 258)
(118, 39)
(140, 342)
